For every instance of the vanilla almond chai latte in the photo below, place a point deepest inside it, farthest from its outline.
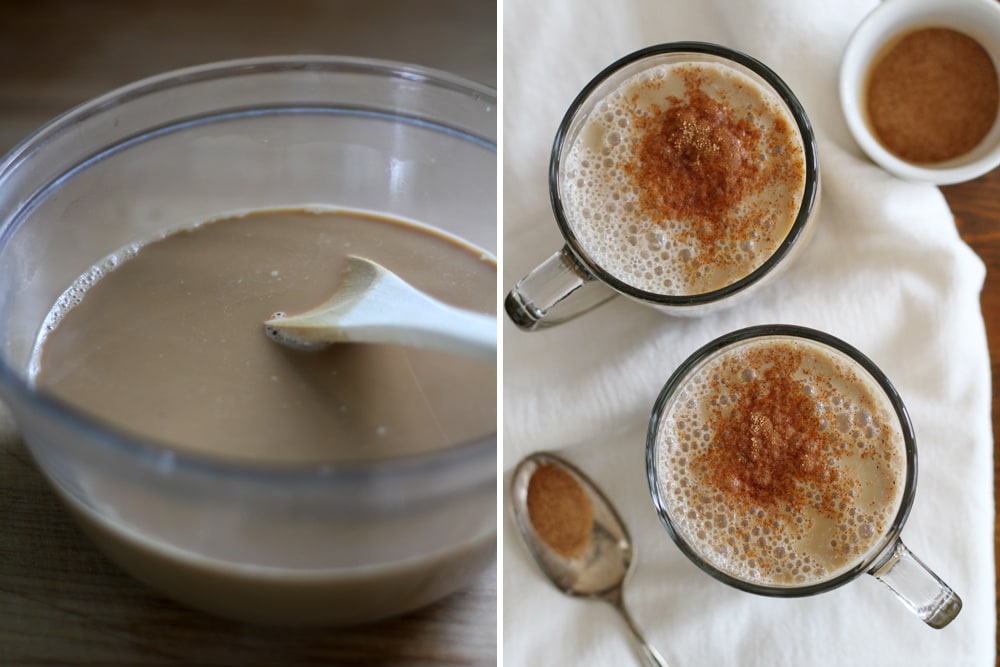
(780, 463)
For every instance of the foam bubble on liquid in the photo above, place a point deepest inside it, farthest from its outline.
(286, 337)
(73, 296)
(778, 544)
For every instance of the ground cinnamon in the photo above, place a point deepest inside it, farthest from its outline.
(772, 447)
(699, 160)
(560, 510)
(932, 95)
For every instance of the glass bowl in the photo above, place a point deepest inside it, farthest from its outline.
(331, 544)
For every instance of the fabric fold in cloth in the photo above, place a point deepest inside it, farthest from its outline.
(886, 271)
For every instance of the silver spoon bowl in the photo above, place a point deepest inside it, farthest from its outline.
(600, 571)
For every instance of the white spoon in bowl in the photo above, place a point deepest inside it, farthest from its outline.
(374, 305)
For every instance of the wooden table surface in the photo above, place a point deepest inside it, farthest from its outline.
(976, 205)
(61, 601)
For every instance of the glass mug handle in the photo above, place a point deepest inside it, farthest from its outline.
(557, 290)
(917, 586)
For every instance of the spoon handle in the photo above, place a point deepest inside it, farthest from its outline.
(404, 315)
(456, 330)
(648, 655)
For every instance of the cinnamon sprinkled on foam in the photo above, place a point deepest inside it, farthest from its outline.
(684, 179)
(696, 162)
(772, 447)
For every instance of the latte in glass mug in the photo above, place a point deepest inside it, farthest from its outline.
(684, 176)
(781, 462)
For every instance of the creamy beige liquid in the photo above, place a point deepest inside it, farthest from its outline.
(684, 179)
(781, 462)
(169, 343)
(166, 340)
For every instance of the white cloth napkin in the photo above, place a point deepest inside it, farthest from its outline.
(886, 271)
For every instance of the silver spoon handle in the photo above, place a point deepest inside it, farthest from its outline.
(648, 655)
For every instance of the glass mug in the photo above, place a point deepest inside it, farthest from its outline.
(816, 478)
(596, 222)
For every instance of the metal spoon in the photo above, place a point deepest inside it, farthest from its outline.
(601, 570)
(374, 305)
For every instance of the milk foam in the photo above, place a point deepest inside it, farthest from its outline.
(776, 544)
(285, 336)
(600, 197)
(72, 297)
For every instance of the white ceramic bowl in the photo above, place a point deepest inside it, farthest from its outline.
(979, 19)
